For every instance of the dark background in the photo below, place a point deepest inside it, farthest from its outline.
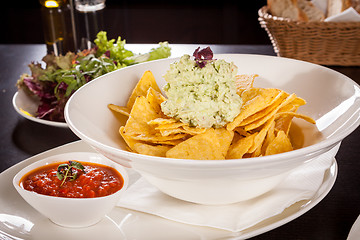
(145, 21)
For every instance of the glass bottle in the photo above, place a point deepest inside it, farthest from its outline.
(89, 16)
(58, 26)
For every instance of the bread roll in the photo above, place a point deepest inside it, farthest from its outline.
(312, 13)
(286, 9)
(296, 10)
(334, 7)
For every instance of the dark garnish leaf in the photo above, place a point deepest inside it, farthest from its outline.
(76, 165)
(59, 176)
(66, 171)
(62, 167)
(73, 177)
(203, 56)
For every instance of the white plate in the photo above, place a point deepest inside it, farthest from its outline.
(19, 220)
(23, 103)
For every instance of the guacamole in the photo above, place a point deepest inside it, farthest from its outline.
(201, 96)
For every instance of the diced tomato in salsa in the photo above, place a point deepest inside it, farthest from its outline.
(97, 181)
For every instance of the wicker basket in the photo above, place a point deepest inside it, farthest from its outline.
(326, 43)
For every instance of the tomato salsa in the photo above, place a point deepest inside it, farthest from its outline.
(96, 180)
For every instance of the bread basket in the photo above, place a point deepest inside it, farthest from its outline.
(325, 43)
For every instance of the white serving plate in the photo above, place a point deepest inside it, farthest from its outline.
(18, 220)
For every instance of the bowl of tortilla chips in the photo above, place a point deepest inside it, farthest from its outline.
(292, 112)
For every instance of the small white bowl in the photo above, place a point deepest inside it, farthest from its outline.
(72, 212)
(333, 100)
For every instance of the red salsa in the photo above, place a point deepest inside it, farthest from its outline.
(96, 180)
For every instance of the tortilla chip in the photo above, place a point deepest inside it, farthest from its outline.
(225, 138)
(161, 121)
(266, 111)
(141, 113)
(297, 115)
(141, 88)
(284, 120)
(256, 153)
(254, 100)
(203, 146)
(119, 109)
(168, 132)
(157, 138)
(137, 126)
(172, 127)
(241, 131)
(296, 136)
(260, 137)
(155, 98)
(293, 105)
(285, 98)
(128, 140)
(193, 130)
(240, 147)
(244, 81)
(167, 126)
(280, 144)
(270, 136)
(283, 123)
(147, 149)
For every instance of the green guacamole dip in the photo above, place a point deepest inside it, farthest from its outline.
(201, 96)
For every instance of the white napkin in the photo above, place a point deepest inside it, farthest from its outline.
(349, 15)
(301, 184)
(354, 233)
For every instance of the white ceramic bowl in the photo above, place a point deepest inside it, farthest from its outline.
(333, 100)
(72, 212)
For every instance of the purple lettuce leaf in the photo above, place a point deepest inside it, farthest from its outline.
(203, 56)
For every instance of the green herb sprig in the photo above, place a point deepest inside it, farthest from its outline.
(66, 171)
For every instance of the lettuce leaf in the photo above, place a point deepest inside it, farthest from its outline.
(124, 57)
(163, 51)
(117, 51)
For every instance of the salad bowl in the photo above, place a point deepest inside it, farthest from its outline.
(333, 101)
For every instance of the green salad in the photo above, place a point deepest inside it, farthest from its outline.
(63, 75)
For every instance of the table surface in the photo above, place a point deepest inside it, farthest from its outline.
(20, 139)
